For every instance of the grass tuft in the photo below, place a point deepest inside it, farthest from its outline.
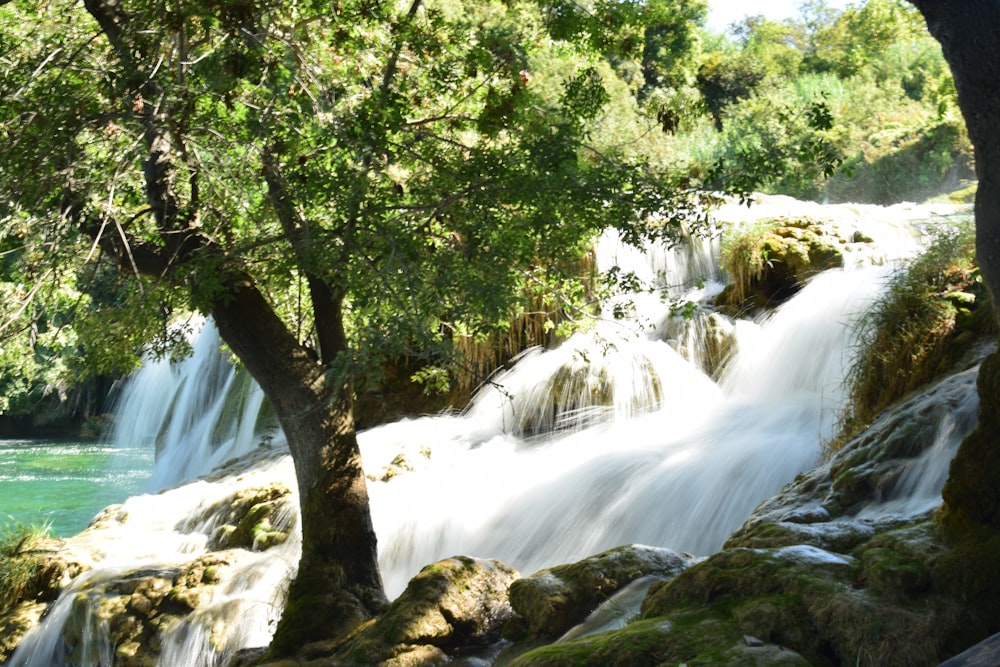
(744, 257)
(905, 340)
(19, 566)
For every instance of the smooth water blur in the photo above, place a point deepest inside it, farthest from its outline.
(63, 484)
(613, 438)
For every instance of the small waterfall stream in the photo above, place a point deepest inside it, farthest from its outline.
(615, 437)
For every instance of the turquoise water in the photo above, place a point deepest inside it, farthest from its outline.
(64, 484)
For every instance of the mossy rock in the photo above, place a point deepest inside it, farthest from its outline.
(697, 637)
(131, 612)
(815, 602)
(15, 623)
(772, 260)
(254, 519)
(555, 599)
(451, 606)
(968, 571)
(31, 577)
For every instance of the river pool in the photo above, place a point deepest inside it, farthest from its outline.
(63, 484)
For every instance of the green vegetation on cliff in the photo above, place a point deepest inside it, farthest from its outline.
(915, 331)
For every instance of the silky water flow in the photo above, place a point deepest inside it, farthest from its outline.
(615, 437)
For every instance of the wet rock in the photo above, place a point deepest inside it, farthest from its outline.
(31, 577)
(15, 623)
(826, 507)
(450, 606)
(126, 616)
(707, 339)
(772, 262)
(255, 519)
(554, 600)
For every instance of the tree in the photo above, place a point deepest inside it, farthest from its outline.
(968, 32)
(669, 53)
(332, 183)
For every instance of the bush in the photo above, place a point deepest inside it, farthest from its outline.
(905, 164)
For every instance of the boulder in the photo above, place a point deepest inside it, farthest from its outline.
(451, 606)
(771, 261)
(254, 519)
(552, 601)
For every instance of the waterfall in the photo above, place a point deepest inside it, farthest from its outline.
(617, 436)
(197, 413)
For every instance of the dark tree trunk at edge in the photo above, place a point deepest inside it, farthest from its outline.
(969, 33)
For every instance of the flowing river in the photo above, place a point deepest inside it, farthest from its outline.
(615, 437)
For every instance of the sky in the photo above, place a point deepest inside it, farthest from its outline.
(723, 12)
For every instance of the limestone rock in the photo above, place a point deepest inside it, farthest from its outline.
(554, 600)
(454, 604)
(821, 507)
(126, 615)
(254, 519)
(30, 579)
(775, 259)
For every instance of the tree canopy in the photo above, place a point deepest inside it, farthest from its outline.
(334, 184)
(429, 159)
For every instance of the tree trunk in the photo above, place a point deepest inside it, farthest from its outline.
(969, 33)
(338, 585)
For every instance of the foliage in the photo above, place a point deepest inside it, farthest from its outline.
(669, 61)
(724, 80)
(902, 340)
(859, 37)
(433, 163)
(905, 164)
(885, 91)
(787, 144)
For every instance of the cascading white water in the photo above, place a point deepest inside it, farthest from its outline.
(684, 475)
(613, 438)
(198, 413)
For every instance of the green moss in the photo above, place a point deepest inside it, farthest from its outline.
(250, 519)
(968, 572)
(644, 642)
(890, 571)
(966, 195)
(770, 260)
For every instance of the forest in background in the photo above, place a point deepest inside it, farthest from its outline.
(835, 106)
